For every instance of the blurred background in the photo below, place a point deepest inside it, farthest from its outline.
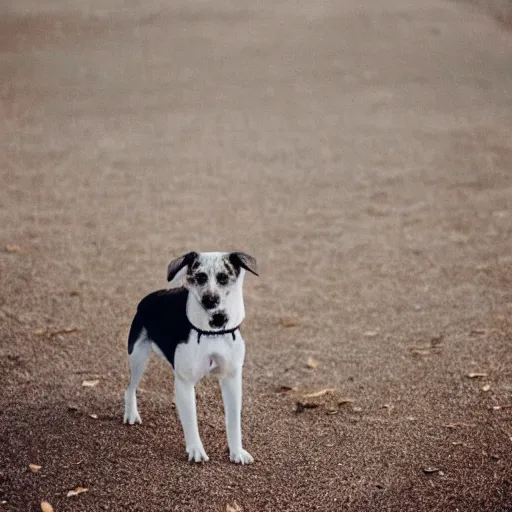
(362, 152)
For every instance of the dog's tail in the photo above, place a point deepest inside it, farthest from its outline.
(135, 331)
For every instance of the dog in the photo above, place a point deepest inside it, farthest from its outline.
(196, 328)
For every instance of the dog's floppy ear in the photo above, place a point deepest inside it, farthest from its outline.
(243, 260)
(176, 265)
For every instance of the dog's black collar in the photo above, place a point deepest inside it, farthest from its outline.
(216, 333)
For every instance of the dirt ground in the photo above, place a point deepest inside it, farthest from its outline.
(500, 9)
(361, 151)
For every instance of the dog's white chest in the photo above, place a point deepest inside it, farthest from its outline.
(207, 354)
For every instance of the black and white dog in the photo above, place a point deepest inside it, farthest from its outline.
(196, 328)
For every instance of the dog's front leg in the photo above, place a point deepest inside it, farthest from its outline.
(231, 386)
(186, 405)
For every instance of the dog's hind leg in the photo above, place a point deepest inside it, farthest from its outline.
(139, 356)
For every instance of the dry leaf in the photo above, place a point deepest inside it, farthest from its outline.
(90, 383)
(93, 416)
(65, 330)
(499, 407)
(235, 507)
(430, 471)
(451, 425)
(34, 468)
(288, 321)
(331, 412)
(344, 401)
(46, 507)
(77, 491)
(311, 363)
(486, 388)
(420, 352)
(12, 248)
(322, 392)
(301, 406)
(476, 375)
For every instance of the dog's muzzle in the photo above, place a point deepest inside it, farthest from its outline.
(218, 320)
(210, 300)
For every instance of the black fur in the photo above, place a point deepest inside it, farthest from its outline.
(229, 267)
(176, 265)
(243, 260)
(163, 314)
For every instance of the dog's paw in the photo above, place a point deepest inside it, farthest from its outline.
(131, 416)
(196, 453)
(241, 457)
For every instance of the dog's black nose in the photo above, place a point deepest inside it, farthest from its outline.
(210, 301)
(218, 320)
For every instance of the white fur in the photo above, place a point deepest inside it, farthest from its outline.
(203, 355)
(138, 360)
(232, 303)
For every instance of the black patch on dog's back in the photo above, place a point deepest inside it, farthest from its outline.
(163, 314)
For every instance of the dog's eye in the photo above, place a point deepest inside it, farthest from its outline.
(222, 279)
(201, 278)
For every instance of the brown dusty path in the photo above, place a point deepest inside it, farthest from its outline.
(363, 153)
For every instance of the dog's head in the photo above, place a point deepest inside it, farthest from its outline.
(215, 280)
